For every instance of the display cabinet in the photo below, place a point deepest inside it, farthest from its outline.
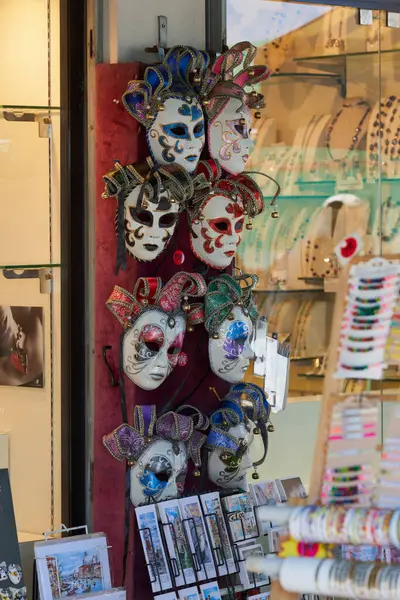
(330, 136)
(30, 261)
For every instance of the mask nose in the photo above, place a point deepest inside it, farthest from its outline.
(162, 360)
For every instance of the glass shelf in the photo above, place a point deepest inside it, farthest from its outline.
(295, 291)
(305, 358)
(26, 267)
(22, 107)
(340, 58)
(296, 196)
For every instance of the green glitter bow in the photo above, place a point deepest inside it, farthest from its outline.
(223, 294)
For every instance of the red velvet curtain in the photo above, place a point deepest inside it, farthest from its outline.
(118, 137)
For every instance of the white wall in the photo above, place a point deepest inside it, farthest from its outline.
(137, 25)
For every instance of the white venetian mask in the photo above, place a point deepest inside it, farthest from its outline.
(159, 474)
(147, 231)
(231, 473)
(152, 348)
(231, 353)
(229, 138)
(216, 234)
(177, 135)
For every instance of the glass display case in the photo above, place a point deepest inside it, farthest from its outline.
(30, 272)
(330, 135)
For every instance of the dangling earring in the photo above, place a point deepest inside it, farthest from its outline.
(255, 474)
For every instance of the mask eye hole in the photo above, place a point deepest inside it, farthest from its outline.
(176, 130)
(220, 225)
(144, 217)
(152, 346)
(172, 350)
(163, 476)
(199, 129)
(239, 226)
(168, 220)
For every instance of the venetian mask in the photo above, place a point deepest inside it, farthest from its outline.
(230, 470)
(167, 103)
(242, 415)
(177, 133)
(149, 203)
(228, 106)
(158, 451)
(230, 354)
(230, 315)
(229, 139)
(217, 217)
(155, 325)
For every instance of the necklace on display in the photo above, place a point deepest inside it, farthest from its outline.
(275, 54)
(390, 220)
(339, 41)
(355, 136)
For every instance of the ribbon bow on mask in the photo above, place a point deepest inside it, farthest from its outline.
(225, 81)
(128, 442)
(149, 294)
(182, 72)
(223, 294)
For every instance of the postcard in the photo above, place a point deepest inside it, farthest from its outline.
(291, 487)
(147, 523)
(167, 596)
(72, 566)
(198, 539)
(251, 580)
(241, 517)
(113, 594)
(265, 492)
(264, 596)
(262, 493)
(177, 543)
(191, 593)
(210, 591)
(218, 533)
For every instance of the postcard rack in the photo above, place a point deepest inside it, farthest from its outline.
(228, 582)
(331, 396)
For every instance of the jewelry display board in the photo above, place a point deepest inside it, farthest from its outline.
(30, 271)
(333, 97)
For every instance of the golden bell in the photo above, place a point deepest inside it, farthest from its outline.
(256, 431)
(215, 336)
(104, 195)
(249, 226)
(225, 423)
(190, 329)
(252, 73)
(144, 301)
(186, 307)
(206, 102)
(255, 475)
(148, 440)
(161, 107)
(197, 79)
(196, 473)
(231, 317)
(270, 428)
(224, 457)
(201, 217)
(275, 214)
(150, 116)
(257, 114)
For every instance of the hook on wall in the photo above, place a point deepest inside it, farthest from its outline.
(113, 381)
